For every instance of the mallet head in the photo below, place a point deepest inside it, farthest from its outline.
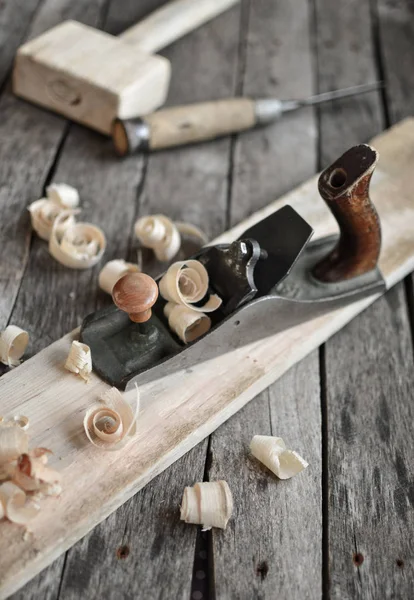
(89, 76)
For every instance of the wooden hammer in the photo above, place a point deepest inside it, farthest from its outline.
(93, 77)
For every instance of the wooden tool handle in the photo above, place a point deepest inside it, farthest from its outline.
(345, 188)
(183, 125)
(173, 21)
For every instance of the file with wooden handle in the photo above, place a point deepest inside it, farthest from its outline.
(180, 125)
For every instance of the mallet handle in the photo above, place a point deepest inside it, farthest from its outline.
(172, 21)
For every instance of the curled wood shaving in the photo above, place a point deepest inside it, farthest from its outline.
(191, 230)
(187, 323)
(24, 476)
(79, 246)
(159, 233)
(79, 360)
(164, 236)
(16, 506)
(63, 194)
(186, 283)
(21, 421)
(272, 452)
(209, 503)
(13, 343)
(32, 473)
(111, 424)
(43, 214)
(113, 271)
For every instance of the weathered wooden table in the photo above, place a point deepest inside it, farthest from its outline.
(343, 528)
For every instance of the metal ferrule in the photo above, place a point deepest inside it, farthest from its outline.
(268, 110)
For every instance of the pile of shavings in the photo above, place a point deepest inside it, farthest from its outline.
(25, 477)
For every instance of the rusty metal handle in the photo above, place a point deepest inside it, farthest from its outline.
(345, 188)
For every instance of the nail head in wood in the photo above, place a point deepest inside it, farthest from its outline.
(135, 294)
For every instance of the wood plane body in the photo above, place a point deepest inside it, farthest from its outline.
(181, 408)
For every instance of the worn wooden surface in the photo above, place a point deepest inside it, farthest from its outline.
(365, 549)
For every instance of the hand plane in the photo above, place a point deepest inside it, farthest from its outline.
(270, 279)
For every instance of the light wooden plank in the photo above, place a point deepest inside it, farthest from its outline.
(180, 410)
(162, 567)
(273, 546)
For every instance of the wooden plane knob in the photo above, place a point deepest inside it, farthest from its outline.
(135, 294)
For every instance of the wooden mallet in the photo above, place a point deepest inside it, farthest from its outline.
(93, 77)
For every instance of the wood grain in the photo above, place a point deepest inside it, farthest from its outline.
(172, 21)
(367, 380)
(24, 168)
(167, 555)
(275, 532)
(273, 545)
(176, 414)
(370, 453)
(345, 57)
(197, 122)
(13, 26)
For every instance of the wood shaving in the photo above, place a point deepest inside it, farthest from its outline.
(187, 323)
(186, 283)
(160, 234)
(113, 271)
(43, 214)
(24, 475)
(13, 344)
(63, 194)
(188, 229)
(79, 246)
(17, 507)
(163, 236)
(21, 421)
(272, 452)
(209, 503)
(111, 424)
(32, 473)
(79, 360)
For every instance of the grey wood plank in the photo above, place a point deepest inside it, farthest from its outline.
(368, 372)
(271, 161)
(186, 184)
(395, 31)
(273, 546)
(24, 166)
(15, 18)
(369, 369)
(142, 550)
(345, 57)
